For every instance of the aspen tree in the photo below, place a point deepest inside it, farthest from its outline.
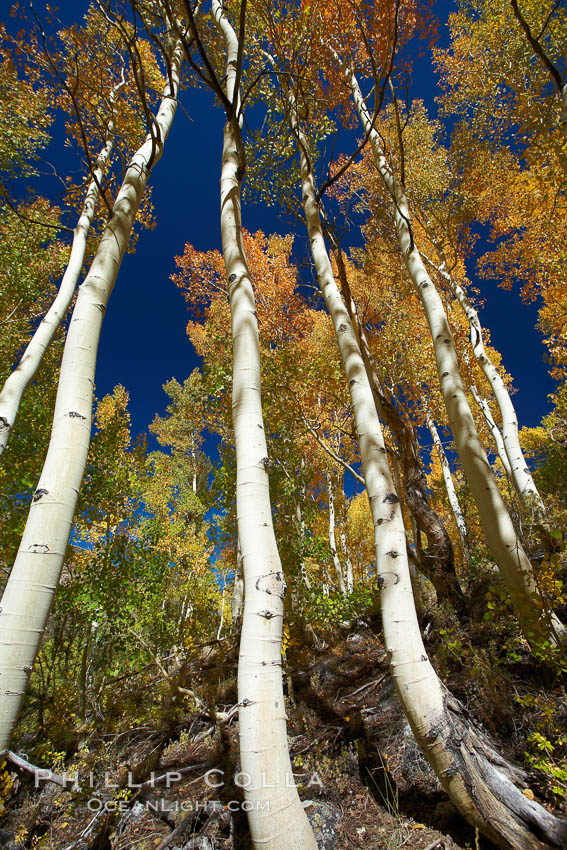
(349, 569)
(437, 561)
(494, 430)
(237, 602)
(30, 589)
(449, 484)
(519, 471)
(332, 539)
(276, 817)
(479, 781)
(18, 381)
(551, 68)
(538, 624)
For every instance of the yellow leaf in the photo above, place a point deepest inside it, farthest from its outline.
(419, 826)
(527, 792)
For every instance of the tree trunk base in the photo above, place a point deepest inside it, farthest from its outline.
(484, 786)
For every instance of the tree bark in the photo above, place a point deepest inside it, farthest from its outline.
(332, 539)
(539, 625)
(437, 562)
(520, 474)
(237, 591)
(35, 575)
(449, 487)
(495, 431)
(276, 817)
(477, 779)
(18, 381)
(349, 569)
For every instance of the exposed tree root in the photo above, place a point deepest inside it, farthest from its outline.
(484, 785)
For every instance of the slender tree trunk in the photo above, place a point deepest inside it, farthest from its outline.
(478, 780)
(538, 623)
(276, 817)
(18, 381)
(520, 474)
(301, 532)
(221, 623)
(495, 431)
(349, 570)
(553, 71)
(237, 591)
(332, 541)
(194, 459)
(449, 487)
(35, 575)
(437, 562)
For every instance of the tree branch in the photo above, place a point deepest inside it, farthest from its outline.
(538, 49)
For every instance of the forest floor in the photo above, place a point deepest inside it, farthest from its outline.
(363, 780)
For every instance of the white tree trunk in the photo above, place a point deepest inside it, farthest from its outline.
(18, 381)
(301, 532)
(221, 623)
(276, 817)
(349, 570)
(237, 603)
(494, 430)
(194, 459)
(449, 486)
(35, 575)
(537, 622)
(332, 539)
(476, 778)
(520, 474)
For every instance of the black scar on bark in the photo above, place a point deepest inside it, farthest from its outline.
(74, 415)
(4, 424)
(39, 493)
(391, 498)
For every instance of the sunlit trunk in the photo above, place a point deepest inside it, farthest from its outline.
(35, 575)
(18, 381)
(494, 430)
(332, 539)
(478, 780)
(449, 486)
(348, 562)
(520, 474)
(436, 562)
(538, 623)
(276, 816)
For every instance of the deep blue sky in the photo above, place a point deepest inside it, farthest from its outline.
(143, 340)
